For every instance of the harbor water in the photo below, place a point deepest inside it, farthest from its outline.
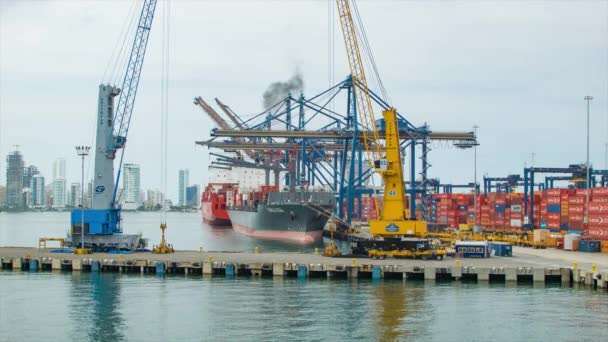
(185, 230)
(117, 307)
(66, 306)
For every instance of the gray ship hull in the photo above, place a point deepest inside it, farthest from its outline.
(291, 222)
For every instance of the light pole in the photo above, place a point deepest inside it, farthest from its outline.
(465, 145)
(588, 98)
(475, 127)
(82, 151)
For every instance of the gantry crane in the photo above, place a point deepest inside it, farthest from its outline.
(394, 222)
(102, 227)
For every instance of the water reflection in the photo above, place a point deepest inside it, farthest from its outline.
(95, 304)
(400, 309)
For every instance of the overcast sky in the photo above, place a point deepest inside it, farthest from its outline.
(517, 69)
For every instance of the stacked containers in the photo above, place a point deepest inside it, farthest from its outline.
(552, 216)
(565, 195)
(516, 212)
(598, 214)
(576, 213)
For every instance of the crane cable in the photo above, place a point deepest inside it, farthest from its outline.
(164, 126)
(121, 41)
(368, 53)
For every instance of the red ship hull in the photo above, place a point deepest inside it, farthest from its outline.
(214, 217)
(214, 203)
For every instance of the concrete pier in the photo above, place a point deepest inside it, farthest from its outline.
(527, 265)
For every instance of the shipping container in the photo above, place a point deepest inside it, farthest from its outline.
(472, 249)
(501, 249)
(589, 246)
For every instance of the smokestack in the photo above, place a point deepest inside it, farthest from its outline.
(278, 91)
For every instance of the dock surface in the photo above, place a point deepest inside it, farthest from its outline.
(525, 264)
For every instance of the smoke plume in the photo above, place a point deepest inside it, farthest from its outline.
(278, 91)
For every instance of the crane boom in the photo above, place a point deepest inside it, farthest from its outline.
(394, 220)
(131, 80)
(363, 98)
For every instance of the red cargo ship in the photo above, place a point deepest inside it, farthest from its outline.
(214, 200)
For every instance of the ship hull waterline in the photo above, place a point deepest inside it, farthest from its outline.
(295, 224)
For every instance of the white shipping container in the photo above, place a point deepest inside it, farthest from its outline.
(516, 208)
(569, 241)
(515, 223)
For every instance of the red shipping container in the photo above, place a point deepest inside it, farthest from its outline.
(576, 218)
(576, 200)
(553, 224)
(553, 217)
(600, 233)
(555, 192)
(553, 200)
(576, 209)
(564, 197)
(598, 220)
(575, 225)
(600, 199)
(583, 192)
(599, 192)
(598, 208)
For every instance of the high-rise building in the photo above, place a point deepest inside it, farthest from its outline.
(59, 168)
(184, 179)
(193, 196)
(75, 196)
(131, 199)
(14, 180)
(28, 173)
(59, 196)
(87, 195)
(2, 196)
(49, 196)
(38, 194)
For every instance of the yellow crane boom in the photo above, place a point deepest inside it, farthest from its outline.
(394, 220)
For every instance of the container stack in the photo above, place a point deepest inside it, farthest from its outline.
(598, 214)
(576, 212)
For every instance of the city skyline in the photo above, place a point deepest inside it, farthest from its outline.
(31, 189)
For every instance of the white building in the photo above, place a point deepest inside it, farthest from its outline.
(38, 195)
(59, 196)
(59, 168)
(131, 199)
(184, 180)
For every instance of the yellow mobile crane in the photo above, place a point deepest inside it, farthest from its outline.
(394, 228)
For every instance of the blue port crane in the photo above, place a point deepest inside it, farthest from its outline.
(102, 228)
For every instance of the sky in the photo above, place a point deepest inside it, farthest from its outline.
(517, 69)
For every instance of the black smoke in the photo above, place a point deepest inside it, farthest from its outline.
(278, 91)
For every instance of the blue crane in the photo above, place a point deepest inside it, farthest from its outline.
(101, 223)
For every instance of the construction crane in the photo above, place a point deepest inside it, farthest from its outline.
(102, 228)
(394, 225)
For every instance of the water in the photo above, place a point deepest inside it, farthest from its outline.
(114, 307)
(119, 307)
(186, 231)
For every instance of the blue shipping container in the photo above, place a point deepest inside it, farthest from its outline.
(472, 249)
(553, 208)
(543, 225)
(500, 208)
(501, 249)
(589, 246)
